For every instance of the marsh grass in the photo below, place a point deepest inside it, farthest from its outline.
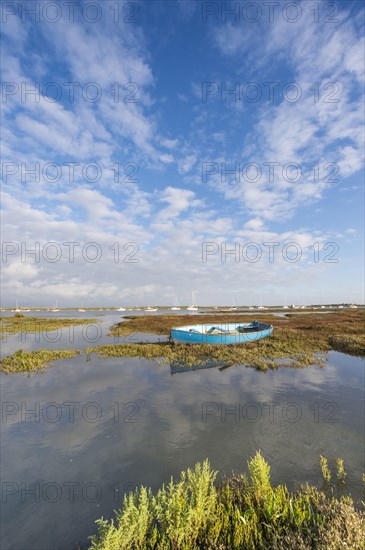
(257, 355)
(297, 340)
(20, 323)
(348, 343)
(31, 361)
(192, 513)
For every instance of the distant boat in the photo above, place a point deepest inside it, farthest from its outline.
(176, 307)
(353, 306)
(261, 306)
(285, 306)
(193, 307)
(121, 309)
(81, 309)
(149, 309)
(55, 308)
(227, 333)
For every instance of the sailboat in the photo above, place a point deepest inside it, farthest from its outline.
(285, 306)
(17, 308)
(121, 309)
(234, 307)
(55, 308)
(149, 309)
(194, 307)
(176, 307)
(261, 306)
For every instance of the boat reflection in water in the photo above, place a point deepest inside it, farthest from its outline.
(206, 363)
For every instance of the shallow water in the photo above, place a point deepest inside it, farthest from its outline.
(74, 337)
(133, 423)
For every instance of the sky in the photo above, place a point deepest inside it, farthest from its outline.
(152, 149)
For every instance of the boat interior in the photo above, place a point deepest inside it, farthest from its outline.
(229, 328)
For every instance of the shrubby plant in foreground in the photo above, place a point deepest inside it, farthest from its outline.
(243, 513)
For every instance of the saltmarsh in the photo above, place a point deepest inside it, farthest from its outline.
(24, 362)
(297, 341)
(20, 323)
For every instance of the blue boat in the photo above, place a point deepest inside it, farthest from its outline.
(227, 333)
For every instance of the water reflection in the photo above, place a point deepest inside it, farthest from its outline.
(205, 363)
(107, 425)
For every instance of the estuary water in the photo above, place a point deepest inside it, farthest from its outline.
(78, 436)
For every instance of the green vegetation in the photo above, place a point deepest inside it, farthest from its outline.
(259, 355)
(348, 343)
(31, 361)
(341, 474)
(326, 472)
(20, 323)
(297, 341)
(194, 513)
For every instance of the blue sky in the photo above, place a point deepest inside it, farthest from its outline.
(172, 131)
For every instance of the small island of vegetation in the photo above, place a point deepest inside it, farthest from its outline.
(20, 323)
(297, 341)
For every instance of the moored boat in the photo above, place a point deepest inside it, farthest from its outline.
(193, 307)
(226, 333)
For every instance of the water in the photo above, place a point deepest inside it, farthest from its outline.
(77, 336)
(135, 423)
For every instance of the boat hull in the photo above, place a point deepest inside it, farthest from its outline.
(221, 334)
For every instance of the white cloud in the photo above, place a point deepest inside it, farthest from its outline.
(166, 158)
(169, 143)
(178, 200)
(316, 129)
(186, 164)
